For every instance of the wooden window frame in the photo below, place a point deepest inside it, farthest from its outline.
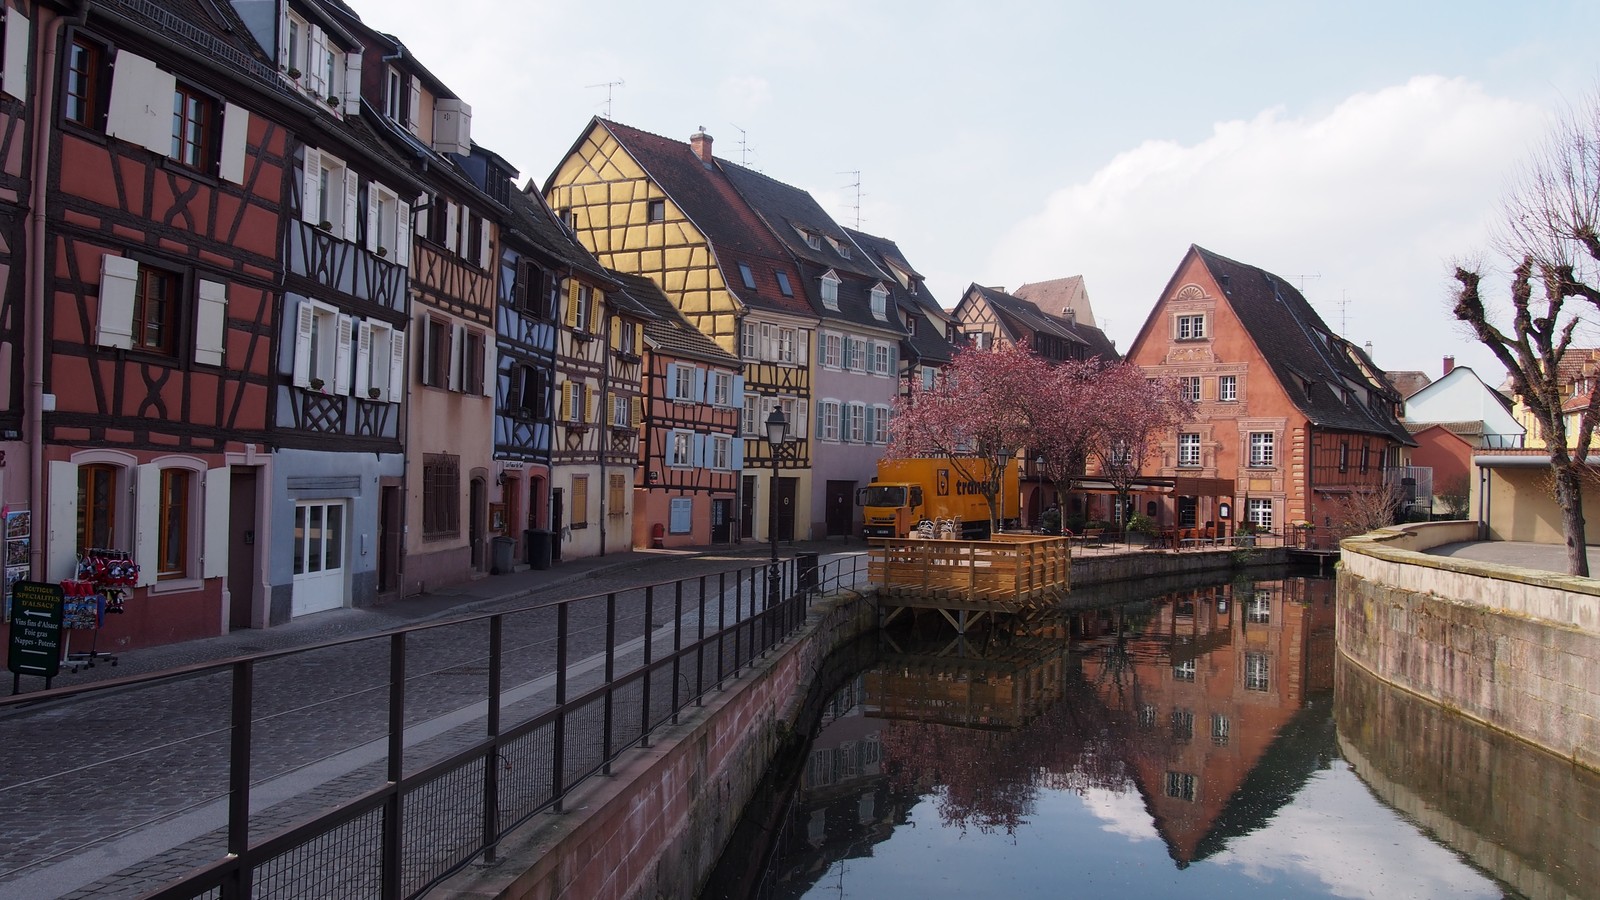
(580, 502)
(441, 495)
(1189, 439)
(197, 119)
(97, 507)
(161, 311)
(1267, 443)
(94, 93)
(176, 498)
(616, 495)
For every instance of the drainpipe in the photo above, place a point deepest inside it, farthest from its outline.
(42, 115)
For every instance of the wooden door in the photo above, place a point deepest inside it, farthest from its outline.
(788, 489)
(242, 572)
(721, 521)
(841, 508)
(747, 508)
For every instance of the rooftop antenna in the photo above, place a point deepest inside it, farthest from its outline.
(744, 147)
(1344, 311)
(608, 85)
(857, 186)
(1303, 280)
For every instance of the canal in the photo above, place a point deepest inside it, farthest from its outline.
(1206, 741)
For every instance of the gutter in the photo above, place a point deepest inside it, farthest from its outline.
(42, 111)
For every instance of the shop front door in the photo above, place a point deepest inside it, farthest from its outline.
(319, 557)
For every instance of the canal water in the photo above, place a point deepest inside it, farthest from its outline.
(1206, 741)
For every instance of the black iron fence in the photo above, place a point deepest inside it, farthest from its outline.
(379, 766)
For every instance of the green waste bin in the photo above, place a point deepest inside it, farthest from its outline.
(502, 549)
(539, 543)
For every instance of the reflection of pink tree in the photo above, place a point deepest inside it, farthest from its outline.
(977, 416)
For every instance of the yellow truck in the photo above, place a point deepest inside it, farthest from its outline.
(907, 491)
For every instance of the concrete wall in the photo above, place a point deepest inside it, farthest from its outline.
(1522, 507)
(656, 827)
(1087, 570)
(1513, 648)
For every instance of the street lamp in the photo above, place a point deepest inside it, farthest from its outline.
(778, 437)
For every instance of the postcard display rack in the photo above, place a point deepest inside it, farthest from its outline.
(100, 589)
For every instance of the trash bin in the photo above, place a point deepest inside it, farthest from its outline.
(806, 563)
(502, 549)
(538, 541)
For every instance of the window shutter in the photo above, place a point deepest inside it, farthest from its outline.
(235, 134)
(147, 522)
(452, 227)
(210, 323)
(454, 381)
(894, 359)
(305, 314)
(697, 450)
(699, 385)
(738, 392)
(586, 406)
(485, 245)
(596, 302)
(415, 112)
(736, 453)
(672, 381)
(352, 195)
(638, 412)
(363, 358)
(802, 350)
(352, 84)
(566, 402)
(315, 73)
(402, 233)
(119, 280)
(214, 552)
(869, 435)
(397, 366)
(311, 181)
(616, 333)
(800, 420)
(341, 356)
(141, 103)
(61, 551)
(373, 241)
(570, 315)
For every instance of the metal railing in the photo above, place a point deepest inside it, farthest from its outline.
(429, 771)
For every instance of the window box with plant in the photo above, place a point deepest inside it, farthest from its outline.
(316, 384)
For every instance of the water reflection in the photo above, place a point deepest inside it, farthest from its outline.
(1182, 745)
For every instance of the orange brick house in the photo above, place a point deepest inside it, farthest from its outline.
(1297, 417)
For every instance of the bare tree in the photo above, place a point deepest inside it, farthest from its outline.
(1552, 227)
(1453, 493)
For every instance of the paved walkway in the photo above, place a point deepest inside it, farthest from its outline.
(564, 580)
(1528, 555)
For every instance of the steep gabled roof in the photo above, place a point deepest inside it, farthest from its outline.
(532, 222)
(1022, 318)
(1408, 382)
(792, 214)
(925, 345)
(1059, 295)
(1318, 370)
(735, 232)
(668, 330)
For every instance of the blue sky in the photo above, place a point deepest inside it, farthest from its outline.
(1355, 148)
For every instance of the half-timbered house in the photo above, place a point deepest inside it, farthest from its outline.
(665, 209)
(168, 144)
(989, 316)
(855, 360)
(337, 499)
(596, 435)
(453, 282)
(1298, 418)
(690, 452)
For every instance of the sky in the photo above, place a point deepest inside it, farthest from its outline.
(1356, 149)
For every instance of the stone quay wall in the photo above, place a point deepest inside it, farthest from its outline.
(656, 826)
(1515, 649)
(1138, 565)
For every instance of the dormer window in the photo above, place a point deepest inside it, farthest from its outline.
(840, 248)
(830, 291)
(911, 325)
(813, 240)
(880, 303)
(394, 96)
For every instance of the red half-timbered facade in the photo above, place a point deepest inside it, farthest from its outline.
(691, 453)
(159, 303)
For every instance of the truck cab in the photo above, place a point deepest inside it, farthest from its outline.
(889, 509)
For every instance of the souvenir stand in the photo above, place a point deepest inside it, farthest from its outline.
(100, 588)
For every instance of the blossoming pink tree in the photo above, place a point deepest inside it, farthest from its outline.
(978, 415)
(1132, 412)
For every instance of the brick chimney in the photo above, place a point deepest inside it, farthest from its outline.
(700, 143)
(1449, 364)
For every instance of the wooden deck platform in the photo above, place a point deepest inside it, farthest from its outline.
(969, 580)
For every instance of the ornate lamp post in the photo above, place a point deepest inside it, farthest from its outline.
(779, 440)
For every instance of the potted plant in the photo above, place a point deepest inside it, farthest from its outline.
(317, 383)
(293, 73)
(1050, 521)
(382, 252)
(333, 100)
(1142, 525)
(373, 393)
(325, 225)
(1245, 534)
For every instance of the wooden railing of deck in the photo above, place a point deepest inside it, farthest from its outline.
(1008, 570)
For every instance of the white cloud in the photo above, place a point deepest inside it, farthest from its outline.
(1373, 195)
(1122, 812)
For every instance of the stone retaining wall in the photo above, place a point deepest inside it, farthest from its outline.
(1515, 649)
(656, 826)
(1136, 565)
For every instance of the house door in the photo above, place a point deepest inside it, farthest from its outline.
(319, 556)
(747, 508)
(242, 578)
(558, 516)
(1188, 512)
(787, 491)
(721, 521)
(841, 508)
(389, 531)
(477, 515)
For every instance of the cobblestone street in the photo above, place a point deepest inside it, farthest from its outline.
(119, 791)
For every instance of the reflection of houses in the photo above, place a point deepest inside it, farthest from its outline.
(994, 686)
(1297, 417)
(1214, 686)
